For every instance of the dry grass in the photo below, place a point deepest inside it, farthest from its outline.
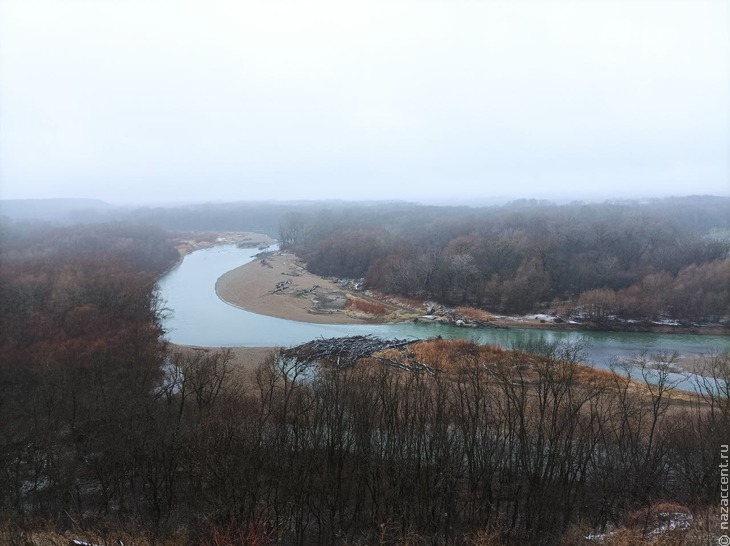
(243, 364)
(450, 354)
(638, 529)
(361, 305)
(650, 516)
(472, 313)
(597, 376)
(406, 304)
(675, 395)
(412, 304)
(377, 310)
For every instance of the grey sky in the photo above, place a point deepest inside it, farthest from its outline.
(129, 100)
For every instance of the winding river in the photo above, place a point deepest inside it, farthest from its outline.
(197, 316)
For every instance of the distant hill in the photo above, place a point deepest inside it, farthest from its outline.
(52, 210)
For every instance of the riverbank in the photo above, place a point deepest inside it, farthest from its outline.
(199, 317)
(244, 360)
(278, 285)
(190, 241)
(186, 242)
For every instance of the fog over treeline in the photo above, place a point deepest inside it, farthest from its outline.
(627, 259)
(696, 212)
(632, 259)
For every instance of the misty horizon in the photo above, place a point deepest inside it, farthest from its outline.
(424, 102)
(493, 201)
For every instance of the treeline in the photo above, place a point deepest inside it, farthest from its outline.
(65, 292)
(525, 256)
(143, 247)
(696, 291)
(528, 255)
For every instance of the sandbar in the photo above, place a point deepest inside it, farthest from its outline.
(303, 296)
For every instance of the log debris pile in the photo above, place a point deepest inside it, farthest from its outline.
(305, 291)
(346, 351)
(281, 286)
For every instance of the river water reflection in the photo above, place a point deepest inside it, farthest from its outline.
(197, 316)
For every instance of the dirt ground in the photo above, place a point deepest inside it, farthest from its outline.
(301, 295)
(245, 359)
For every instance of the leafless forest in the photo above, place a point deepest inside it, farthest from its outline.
(622, 259)
(107, 432)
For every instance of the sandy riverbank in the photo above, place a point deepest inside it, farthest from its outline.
(304, 297)
(244, 360)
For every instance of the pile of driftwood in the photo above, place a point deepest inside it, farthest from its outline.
(304, 291)
(281, 286)
(346, 351)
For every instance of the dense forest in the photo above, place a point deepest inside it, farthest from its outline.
(661, 258)
(80, 353)
(108, 432)
(666, 258)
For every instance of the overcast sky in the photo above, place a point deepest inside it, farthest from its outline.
(132, 101)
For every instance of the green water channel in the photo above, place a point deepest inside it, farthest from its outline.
(199, 317)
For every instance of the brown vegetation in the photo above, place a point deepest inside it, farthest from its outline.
(448, 354)
(626, 260)
(696, 291)
(472, 313)
(106, 432)
(361, 305)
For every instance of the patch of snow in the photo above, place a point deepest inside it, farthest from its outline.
(541, 316)
(666, 322)
(600, 537)
(667, 521)
(671, 521)
(172, 379)
(38, 485)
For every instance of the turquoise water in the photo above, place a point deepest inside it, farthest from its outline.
(197, 316)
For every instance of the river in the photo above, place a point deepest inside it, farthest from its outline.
(197, 316)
